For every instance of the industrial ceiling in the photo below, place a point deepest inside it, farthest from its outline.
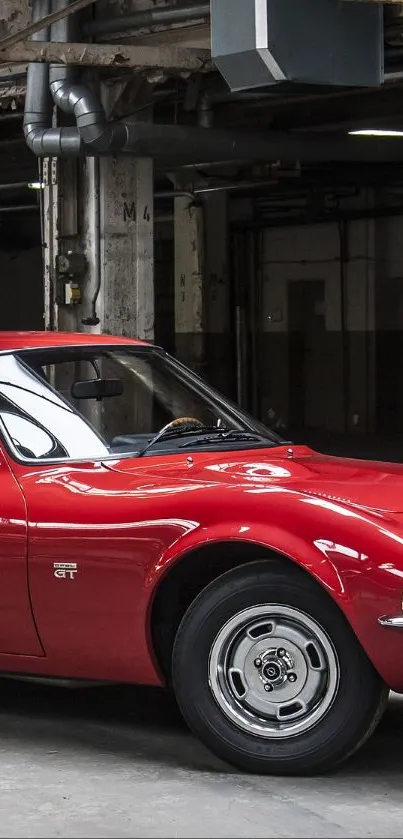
(158, 56)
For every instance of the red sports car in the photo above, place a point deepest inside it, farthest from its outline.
(153, 533)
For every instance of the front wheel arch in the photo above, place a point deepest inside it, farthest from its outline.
(194, 571)
(331, 733)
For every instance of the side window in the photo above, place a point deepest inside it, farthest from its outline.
(38, 421)
(26, 436)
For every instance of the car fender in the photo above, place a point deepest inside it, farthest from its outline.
(337, 552)
(289, 545)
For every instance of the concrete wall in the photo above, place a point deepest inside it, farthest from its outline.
(164, 286)
(361, 387)
(312, 253)
(21, 287)
(389, 323)
(21, 276)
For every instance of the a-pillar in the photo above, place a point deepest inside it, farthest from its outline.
(219, 347)
(189, 299)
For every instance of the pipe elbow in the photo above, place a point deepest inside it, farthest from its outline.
(29, 134)
(34, 139)
(60, 90)
(33, 129)
(52, 142)
(105, 137)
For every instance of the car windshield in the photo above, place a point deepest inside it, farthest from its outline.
(94, 403)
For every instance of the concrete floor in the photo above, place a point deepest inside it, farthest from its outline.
(119, 762)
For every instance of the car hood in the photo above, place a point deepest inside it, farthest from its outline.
(366, 484)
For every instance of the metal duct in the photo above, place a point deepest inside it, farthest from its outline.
(37, 116)
(93, 133)
(41, 139)
(177, 145)
(62, 78)
(93, 129)
(327, 42)
(185, 145)
(149, 17)
(171, 144)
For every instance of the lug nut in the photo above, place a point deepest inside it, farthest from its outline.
(292, 677)
(268, 688)
(281, 652)
(258, 662)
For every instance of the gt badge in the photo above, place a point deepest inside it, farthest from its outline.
(65, 570)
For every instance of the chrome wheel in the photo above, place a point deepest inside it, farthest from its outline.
(273, 671)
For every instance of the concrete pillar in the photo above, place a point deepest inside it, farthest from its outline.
(220, 372)
(126, 247)
(60, 237)
(50, 240)
(125, 303)
(189, 297)
(109, 222)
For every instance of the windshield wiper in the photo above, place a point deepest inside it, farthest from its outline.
(224, 436)
(205, 435)
(169, 434)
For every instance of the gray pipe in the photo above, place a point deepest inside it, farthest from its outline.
(15, 185)
(181, 145)
(171, 144)
(93, 128)
(42, 140)
(62, 78)
(38, 112)
(93, 134)
(149, 17)
(19, 208)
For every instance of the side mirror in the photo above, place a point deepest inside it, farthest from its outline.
(97, 389)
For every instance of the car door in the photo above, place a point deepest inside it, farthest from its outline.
(90, 540)
(18, 635)
(94, 533)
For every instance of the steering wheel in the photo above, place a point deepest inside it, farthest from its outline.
(182, 422)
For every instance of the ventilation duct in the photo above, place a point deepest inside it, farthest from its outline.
(93, 131)
(93, 134)
(256, 43)
(172, 145)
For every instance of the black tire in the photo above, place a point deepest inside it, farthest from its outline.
(358, 701)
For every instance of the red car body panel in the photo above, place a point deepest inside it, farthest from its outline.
(13, 341)
(17, 630)
(127, 522)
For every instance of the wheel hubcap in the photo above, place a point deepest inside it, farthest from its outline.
(273, 671)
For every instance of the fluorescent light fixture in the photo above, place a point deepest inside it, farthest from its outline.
(36, 185)
(376, 132)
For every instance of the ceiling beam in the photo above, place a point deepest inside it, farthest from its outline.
(7, 70)
(48, 20)
(186, 35)
(13, 91)
(76, 6)
(105, 55)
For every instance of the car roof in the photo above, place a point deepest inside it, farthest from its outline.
(13, 341)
